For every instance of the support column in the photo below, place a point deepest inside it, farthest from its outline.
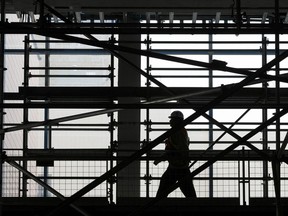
(128, 184)
(264, 118)
(276, 164)
(211, 133)
(2, 69)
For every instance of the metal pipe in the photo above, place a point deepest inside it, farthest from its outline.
(47, 128)
(2, 69)
(111, 130)
(25, 111)
(211, 182)
(264, 118)
(276, 163)
(148, 126)
(248, 28)
(243, 179)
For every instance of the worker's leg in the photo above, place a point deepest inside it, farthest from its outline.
(186, 183)
(168, 179)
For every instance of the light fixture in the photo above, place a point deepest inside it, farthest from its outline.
(171, 17)
(286, 18)
(125, 17)
(20, 16)
(148, 17)
(217, 18)
(55, 18)
(194, 17)
(264, 17)
(78, 17)
(101, 16)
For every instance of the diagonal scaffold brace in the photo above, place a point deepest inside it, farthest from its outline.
(162, 137)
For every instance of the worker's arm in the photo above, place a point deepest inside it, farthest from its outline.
(166, 155)
(163, 157)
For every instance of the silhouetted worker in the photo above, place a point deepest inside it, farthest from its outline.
(177, 154)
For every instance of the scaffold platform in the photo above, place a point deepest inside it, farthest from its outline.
(134, 206)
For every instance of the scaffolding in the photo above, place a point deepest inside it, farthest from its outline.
(85, 101)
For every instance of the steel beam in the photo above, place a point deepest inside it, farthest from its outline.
(281, 150)
(129, 28)
(107, 154)
(2, 70)
(117, 107)
(277, 185)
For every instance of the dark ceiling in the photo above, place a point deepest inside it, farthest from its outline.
(204, 7)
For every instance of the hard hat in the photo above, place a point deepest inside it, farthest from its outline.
(177, 114)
